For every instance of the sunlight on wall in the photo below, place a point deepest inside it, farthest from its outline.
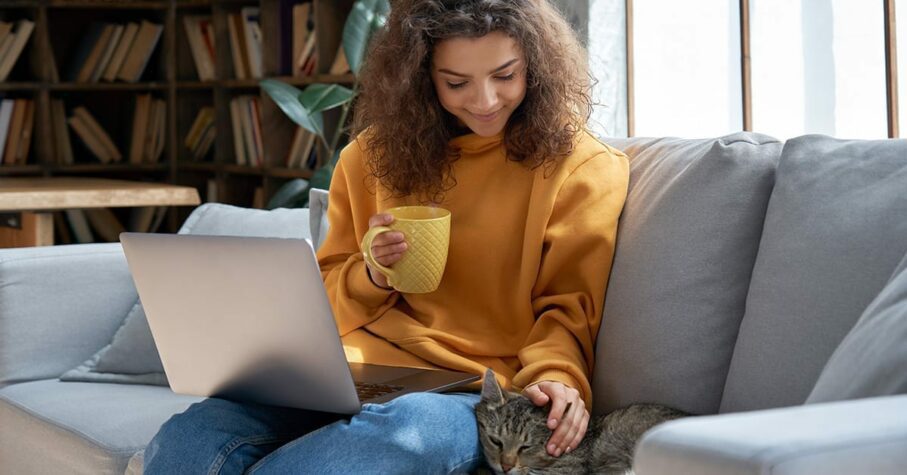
(608, 62)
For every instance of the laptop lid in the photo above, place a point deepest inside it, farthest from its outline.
(248, 318)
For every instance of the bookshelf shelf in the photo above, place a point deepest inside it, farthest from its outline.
(55, 55)
(117, 86)
(107, 4)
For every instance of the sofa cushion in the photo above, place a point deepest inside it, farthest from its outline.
(49, 424)
(835, 230)
(318, 215)
(872, 358)
(131, 357)
(686, 244)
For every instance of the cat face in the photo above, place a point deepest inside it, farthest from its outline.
(512, 430)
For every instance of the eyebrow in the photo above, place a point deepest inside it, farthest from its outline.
(498, 69)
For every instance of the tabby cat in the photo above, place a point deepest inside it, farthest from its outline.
(513, 434)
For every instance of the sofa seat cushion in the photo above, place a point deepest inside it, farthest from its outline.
(86, 427)
(835, 230)
(686, 244)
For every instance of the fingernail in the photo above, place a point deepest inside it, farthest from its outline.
(558, 453)
(551, 448)
(552, 423)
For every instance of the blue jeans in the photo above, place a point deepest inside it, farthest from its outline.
(415, 433)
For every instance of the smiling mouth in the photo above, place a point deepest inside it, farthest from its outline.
(487, 117)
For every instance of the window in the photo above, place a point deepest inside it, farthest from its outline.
(900, 8)
(608, 62)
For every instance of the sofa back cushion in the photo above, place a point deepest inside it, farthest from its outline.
(686, 244)
(836, 228)
(872, 359)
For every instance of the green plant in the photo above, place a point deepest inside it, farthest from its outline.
(306, 107)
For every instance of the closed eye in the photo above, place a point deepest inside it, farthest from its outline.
(508, 77)
(523, 448)
(497, 442)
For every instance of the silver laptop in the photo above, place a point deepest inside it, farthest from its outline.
(248, 318)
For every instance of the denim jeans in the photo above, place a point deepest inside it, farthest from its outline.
(416, 433)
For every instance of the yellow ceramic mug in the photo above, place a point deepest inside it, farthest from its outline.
(427, 233)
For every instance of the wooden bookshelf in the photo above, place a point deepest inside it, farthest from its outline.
(41, 74)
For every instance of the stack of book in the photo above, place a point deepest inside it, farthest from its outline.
(200, 33)
(202, 133)
(59, 133)
(112, 51)
(17, 119)
(95, 138)
(245, 43)
(245, 115)
(302, 153)
(149, 126)
(12, 42)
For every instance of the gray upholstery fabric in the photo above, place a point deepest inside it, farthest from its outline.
(835, 229)
(868, 436)
(872, 358)
(131, 357)
(85, 427)
(58, 305)
(318, 215)
(686, 243)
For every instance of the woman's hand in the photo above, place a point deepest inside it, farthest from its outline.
(387, 248)
(568, 417)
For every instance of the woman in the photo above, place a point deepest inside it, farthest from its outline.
(478, 106)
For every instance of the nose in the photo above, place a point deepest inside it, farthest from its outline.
(486, 100)
(506, 468)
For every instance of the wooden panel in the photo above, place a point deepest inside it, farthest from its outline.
(61, 193)
(36, 230)
(891, 69)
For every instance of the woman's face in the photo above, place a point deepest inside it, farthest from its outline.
(481, 81)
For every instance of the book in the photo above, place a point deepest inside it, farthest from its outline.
(340, 66)
(140, 124)
(140, 219)
(107, 55)
(140, 52)
(119, 54)
(237, 46)
(23, 32)
(305, 63)
(5, 29)
(105, 223)
(204, 117)
(252, 30)
(93, 143)
(202, 58)
(206, 142)
(112, 151)
(255, 121)
(27, 127)
(15, 132)
(79, 225)
(61, 133)
(94, 57)
(159, 213)
(6, 115)
(207, 28)
(211, 191)
(239, 149)
(245, 115)
(84, 49)
(61, 229)
(301, 28)
(159, 139)
(301, 148)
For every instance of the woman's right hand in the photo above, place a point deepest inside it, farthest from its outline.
(387, 248)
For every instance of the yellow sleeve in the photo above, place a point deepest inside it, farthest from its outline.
(576, 262)
(355, 299)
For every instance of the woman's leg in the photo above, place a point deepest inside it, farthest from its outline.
(217, 436)
(416, 433)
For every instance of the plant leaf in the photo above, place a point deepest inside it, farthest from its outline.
(366, 17)
(321, 97)
(293, 194)
(288, 98)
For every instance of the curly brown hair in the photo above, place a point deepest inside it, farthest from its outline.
(408, 129)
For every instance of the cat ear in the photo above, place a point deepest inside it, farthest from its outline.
(491, 390)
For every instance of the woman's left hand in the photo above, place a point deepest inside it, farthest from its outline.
(568, 417)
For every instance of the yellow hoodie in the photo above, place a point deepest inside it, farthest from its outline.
(527, 268)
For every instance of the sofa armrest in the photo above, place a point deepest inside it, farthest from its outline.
(58, 306)
(859, 436)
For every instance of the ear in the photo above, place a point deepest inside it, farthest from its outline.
(491, 391)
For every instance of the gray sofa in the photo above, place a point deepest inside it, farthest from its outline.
(761, 285)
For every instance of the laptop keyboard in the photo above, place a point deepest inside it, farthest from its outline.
(368, 391)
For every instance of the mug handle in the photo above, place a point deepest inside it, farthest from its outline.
(366, 247)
